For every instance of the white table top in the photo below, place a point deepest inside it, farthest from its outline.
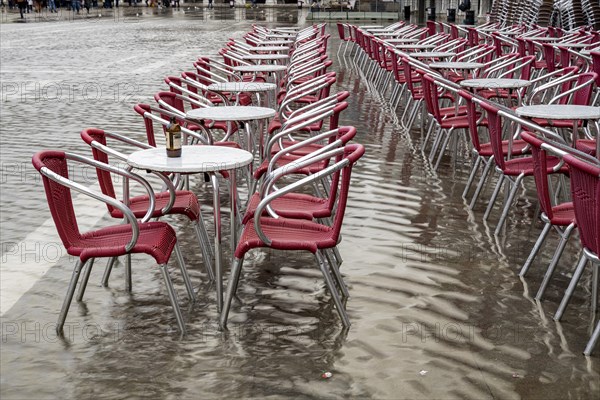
(383, 34)
(236, 87)
(382, 30)
(588, 52)
(402, 40)
(495, 83)
(280, 35)
(264, 56)
(543, 39)
(367, 27)
(456, 65)
(415, 46)
(433, 54)
(269, 48)
(230, 113)
(509, 33)
(262, 43)
(574, 45)
(559, 111)
(194, 159)
(259, 68)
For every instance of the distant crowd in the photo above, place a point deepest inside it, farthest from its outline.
(28, 6)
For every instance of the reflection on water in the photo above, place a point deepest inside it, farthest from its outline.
(436, 306)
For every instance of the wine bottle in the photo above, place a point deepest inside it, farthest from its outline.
(173, 139)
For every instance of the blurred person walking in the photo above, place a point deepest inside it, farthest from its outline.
(22, 7)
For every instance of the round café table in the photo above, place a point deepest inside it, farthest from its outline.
(268, 49)
(465, 67)
(263, 43)
(568, 112)
(543, 39)
(274, 69)
(195, 160)
(433, 54)
(573, 45)
(265, 57)
(415, 46)
(242, 87)
(497, 84)
(401, 40)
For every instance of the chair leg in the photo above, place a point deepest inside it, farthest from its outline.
(536, 249)
(334, 294)
(87, 269)
(336, 272)
(108, 270)
(594, 287)
(236, 269)
(571, 288)
(173, 298)
(337, 256)
(128, 279)
(428, 135)
(443, 149)
(204, 244)
(186, 278)
(474, 168)
(550, 271)
(488, 210)
(593, 340)
(436, 142)
(482, 180)
(509, 200)
(67, 301)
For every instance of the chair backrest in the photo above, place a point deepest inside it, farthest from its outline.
(430, 95)
(345, 159)
(596, 65)
(549, 56)
(495, 130)
(58, 196)
(540, 168)
(410, 77)
(585, 192)
(170, 101)
(472, 119)
(142, 109)
(577, 90)
(90, 135)
(341, 30)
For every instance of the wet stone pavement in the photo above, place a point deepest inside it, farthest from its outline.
(437, 308)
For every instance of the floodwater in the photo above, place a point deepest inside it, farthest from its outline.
(437, 308)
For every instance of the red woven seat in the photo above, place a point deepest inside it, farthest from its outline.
(156, 239)
(287, 234)
(292, 205)
(588, 146)
(524, 165)
(563, 214)
(518, 147)
(186, 203)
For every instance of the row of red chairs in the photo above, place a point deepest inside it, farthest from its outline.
(304, 139)
(484, 120)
